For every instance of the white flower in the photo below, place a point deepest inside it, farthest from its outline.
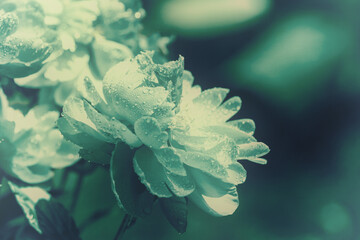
(185, 144)
(30, 146)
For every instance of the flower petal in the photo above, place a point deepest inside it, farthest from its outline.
(204, 163)
(211, 98)
(75, 113)
(151, 172)
(111, 127)
(217, 206)
(108, 53)
(181, 186)
(170, 161)
(251, 150)
(245, 125)
(124, 90)
(228, 109)
(149, 131)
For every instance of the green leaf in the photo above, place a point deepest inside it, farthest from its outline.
(129, 192)
(55, 222)
(175, 211)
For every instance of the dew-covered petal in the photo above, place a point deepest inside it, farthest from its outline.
(108, 53)
(235, 134)
(252, 150)
(194, 142)
(111, 127)
(149, 131)
(217, 206)
(81, 138)
(75, 113)
(92, 92)
(170, 161)
(228, 109)
(203, 162)
(151, 172)
(181, 186)
(124, 90)
(245, 125)
(211, 98)
(236, 173)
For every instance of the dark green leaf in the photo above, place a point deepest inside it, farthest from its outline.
(130, 193)
(175, 210)
(55, 222)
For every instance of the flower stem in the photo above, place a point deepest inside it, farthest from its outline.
(127, 221)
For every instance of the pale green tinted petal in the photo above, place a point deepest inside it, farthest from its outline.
(195, 142)
(68, 66)
(6, 129)
(211, 98)
(251, 150)
(181, 186)
(151, 172)
(246, 125)
(75, 113)
(25, 43)
(63, 91)
(236, 173)
(149, 132)
(108, 53)
(32, 174)
(111, 127)
(27, 197)
(237, 135)
(170, 161)
(217, 206)
(204, 163)
(208, 184)
(81, 138)
(34, 80)
(124, 90)
(7, 152)
(228, 109)
(67, 155)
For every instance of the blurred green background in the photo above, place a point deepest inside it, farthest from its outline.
(296, 66)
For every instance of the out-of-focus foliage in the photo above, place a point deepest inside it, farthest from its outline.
(292, 59)
(203, 18)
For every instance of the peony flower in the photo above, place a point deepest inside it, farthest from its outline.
(25, 41)
(185, 144)
(91, 37)
(30, 145)
(72, 23)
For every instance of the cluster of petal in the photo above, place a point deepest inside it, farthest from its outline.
(25, 41)
(89, 36)
(30, 145)
(185, 145)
